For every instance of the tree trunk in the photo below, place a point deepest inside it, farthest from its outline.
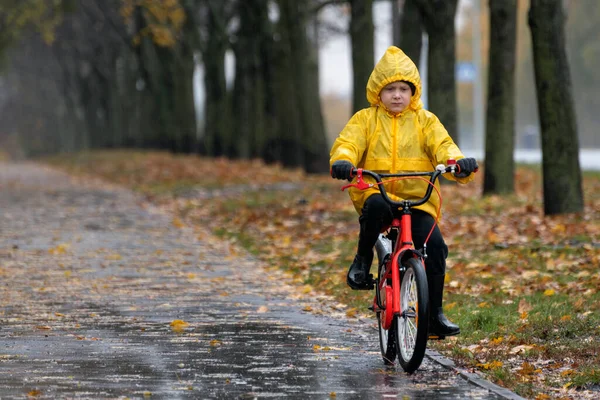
(560, 147)
(302, 141)
(285, 147)
(267, 51)
(167, 83)
(411, 31)
(183, 94)
(249, 101)
(397, 12)
(313, 134)
(217, 138)
(500, 125)
(363, 51)
(438, 19)
(147, 83)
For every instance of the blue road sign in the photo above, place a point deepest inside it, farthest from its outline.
(465, 71)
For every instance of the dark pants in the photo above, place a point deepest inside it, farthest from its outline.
(377, 213)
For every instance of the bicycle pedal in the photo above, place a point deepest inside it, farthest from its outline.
(434, 336)
(372, 281)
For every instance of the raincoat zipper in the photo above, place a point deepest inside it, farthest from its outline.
(394, 150)
(394, 144)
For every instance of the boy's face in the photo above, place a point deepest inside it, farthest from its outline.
(396, 96)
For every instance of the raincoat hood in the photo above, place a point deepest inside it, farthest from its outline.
(394, 66)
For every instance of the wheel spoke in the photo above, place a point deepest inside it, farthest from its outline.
(410, 313)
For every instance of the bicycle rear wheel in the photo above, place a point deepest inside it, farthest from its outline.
(387, 342)
(387, 337)
(412, 323)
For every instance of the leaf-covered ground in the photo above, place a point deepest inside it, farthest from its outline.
(523, 287)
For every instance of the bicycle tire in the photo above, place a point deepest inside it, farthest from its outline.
(412, 324)
(387, 342)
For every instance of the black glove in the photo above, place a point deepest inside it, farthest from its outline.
(342, 169)
(466, 166)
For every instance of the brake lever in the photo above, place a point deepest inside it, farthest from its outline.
(360, 184)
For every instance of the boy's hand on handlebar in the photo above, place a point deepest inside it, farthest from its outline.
(342, 169)
(466, 166)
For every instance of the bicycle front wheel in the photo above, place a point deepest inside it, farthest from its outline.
(412, 322)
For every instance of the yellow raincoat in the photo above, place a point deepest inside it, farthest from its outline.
(413, 140)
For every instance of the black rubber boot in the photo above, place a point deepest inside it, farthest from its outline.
(439, 325)
(358, 275)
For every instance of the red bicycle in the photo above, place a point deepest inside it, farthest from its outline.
(401, 300)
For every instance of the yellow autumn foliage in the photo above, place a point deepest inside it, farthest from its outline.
(164, 20)
(43, 15)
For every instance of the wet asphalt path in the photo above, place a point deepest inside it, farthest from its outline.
(91, 281)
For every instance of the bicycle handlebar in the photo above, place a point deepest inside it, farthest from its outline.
(362, 185)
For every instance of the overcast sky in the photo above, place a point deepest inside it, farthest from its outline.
(335, 62)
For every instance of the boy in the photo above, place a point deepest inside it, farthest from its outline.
(396, 134)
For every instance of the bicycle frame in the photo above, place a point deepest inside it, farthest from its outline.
(403, 245)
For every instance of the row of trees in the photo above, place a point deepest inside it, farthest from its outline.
(120, 73)
(582, 26)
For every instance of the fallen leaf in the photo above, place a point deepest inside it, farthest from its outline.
(178, 325)
(527, 369)
(262, 309)
(523, 315)
(60, 249)
(491, 365)
(493, 238)
(43, 327)
(524, 306)
(521, 348)
(559, 228)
